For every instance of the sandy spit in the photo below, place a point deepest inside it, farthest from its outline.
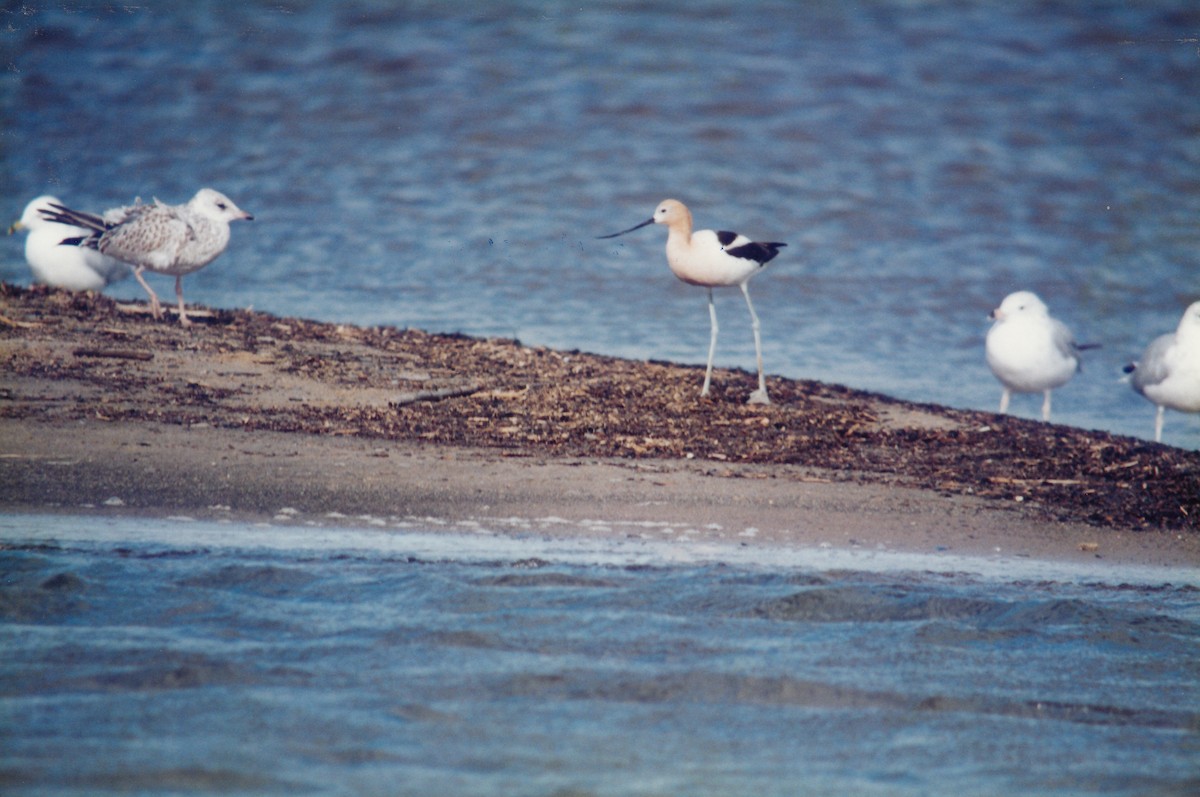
(105, 410)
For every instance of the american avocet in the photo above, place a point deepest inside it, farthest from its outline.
(713, 260)
(1028, 350)
(166, 239)
(1168, 372)
(62, 266)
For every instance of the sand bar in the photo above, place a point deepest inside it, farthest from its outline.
(247, 415)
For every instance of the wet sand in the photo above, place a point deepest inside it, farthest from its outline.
(250, 416)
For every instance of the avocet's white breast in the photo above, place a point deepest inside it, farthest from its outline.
(703, 260)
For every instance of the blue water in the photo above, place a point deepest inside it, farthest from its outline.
(446, 166)
(171, 657)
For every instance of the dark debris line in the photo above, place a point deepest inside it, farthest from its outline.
(538, 401)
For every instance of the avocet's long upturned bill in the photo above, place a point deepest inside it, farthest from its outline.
(1028, 350)
(166, 239)
(67, 267)
(1168, 372)
(713, 260)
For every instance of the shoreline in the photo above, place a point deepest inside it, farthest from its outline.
(148, 470)
(247, 414)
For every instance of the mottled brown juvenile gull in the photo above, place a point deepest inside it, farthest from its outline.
(70, 267)
(166, 239)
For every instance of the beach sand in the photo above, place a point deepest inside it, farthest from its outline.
(248, 416)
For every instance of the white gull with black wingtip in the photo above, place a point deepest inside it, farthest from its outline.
(166, 239)
(713, 259)
(1029, 350)
(73, 268)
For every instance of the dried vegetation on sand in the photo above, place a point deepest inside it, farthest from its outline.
(69, 356)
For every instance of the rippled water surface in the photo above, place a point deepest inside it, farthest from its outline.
(447, 166)
(165, 657)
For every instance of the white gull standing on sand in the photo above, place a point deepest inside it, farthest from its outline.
(1028, 350)
(713, 260)
(1168, 372)
(166, 239)
(73, 268)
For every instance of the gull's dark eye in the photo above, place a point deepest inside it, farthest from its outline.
(221, 205)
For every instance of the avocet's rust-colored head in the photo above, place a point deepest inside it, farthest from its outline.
(670, 212)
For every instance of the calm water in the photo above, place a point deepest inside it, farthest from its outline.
(170, 657)
(446, 166)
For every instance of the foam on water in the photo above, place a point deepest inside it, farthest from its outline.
(586, 542)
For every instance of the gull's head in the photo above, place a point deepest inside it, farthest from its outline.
(1021, 303)
(1189, 324)
(32, 218)
(216, 205)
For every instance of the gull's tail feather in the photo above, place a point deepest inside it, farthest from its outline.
(76, 218)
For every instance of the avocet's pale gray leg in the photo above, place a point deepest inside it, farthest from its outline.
(1005, 395)
(1046, 406)
(712, 343)
(183, 319)
(759, 396)
(155, 307)
(1158, 424)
